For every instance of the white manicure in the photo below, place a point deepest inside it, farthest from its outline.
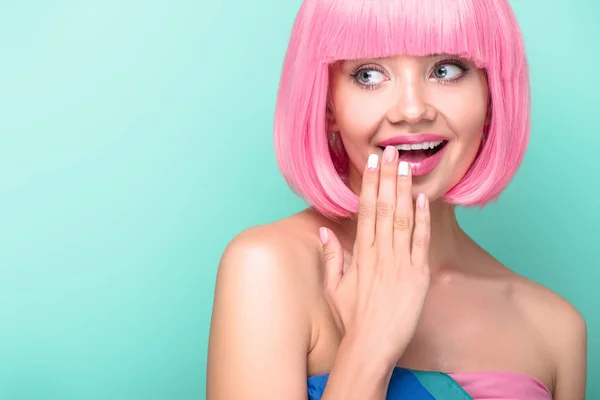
(403, 168)
(372, 161)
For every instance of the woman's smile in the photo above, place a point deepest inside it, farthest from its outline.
(422, 151)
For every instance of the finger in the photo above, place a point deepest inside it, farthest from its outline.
(422, 233)
(367, 203)
(404, 215)
(347, 260)
(386, 199)
(333, 258)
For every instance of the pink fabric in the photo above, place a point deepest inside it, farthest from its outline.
(502, 386)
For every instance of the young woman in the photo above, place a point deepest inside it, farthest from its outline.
(390, 114)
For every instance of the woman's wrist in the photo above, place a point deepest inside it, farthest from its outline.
(357, 374)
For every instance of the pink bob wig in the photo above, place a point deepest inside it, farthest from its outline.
(325, 31)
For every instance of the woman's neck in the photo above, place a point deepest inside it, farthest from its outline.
(448, 240)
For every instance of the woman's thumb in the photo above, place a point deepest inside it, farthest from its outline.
(333, 258)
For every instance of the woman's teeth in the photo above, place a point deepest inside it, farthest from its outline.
(419, 146)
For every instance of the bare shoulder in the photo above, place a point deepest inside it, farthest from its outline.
(549, 310)
(280, 258)
(261, 324)
(287, 247)
(563, 331)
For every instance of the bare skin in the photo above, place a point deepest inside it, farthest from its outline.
(479, 316)
(273, 325)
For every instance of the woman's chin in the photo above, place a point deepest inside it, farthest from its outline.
(432, 185)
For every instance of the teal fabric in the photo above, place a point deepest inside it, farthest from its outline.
(440, 385)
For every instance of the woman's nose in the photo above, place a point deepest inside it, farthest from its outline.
(411, 104)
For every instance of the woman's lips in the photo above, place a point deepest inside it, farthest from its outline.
(425, 165)
(420, 160)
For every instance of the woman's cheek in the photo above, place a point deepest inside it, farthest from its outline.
(361, 119)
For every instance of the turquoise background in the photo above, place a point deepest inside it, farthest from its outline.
(135, 142)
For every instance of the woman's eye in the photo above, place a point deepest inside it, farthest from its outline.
(448, 71)
(370, 77)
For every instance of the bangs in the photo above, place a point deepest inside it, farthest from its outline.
(356, 29)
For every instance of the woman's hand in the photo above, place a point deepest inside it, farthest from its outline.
(377, 301)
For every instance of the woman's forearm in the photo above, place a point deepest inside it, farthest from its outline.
(357, 375)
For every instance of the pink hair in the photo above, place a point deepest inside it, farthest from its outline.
(325, 31)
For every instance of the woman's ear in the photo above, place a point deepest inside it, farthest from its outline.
(332, 125)
(488, 114)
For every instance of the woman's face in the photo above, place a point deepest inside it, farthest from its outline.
(411, 103)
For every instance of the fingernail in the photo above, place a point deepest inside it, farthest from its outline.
(421, 200)
(389, 153)
(372, 161)
(403, 168)
(323, 235)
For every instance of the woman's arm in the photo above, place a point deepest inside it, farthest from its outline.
(355, 375)
(571, 350)
(260, 330)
